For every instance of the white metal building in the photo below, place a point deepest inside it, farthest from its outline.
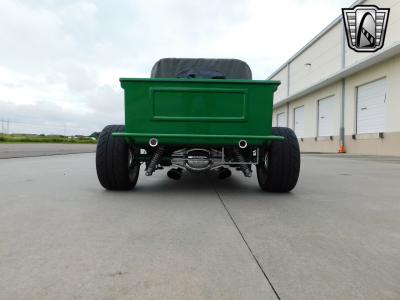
(331, 94)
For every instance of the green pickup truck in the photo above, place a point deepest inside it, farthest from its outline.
(198, 115)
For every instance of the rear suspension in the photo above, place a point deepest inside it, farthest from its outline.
(245, 168)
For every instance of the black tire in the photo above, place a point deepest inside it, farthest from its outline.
(281, 170)
(115, 164)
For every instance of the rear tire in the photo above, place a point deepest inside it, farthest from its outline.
(116, 166)
(279, 169)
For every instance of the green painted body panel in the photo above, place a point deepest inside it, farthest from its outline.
(198, 111)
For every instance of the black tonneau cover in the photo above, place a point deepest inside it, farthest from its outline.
(171, 67)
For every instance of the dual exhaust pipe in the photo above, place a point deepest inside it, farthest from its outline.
(153, 142)
(242, 144)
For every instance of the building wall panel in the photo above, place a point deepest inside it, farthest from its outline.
(324, 57)
(281, 92)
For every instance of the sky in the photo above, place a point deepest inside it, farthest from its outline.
(61, 60)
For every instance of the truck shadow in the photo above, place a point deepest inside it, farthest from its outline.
(201, 184)
(192, 181)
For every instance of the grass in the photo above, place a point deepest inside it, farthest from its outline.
(21, 138)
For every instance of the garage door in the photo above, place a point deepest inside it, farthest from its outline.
(281, 120)
(371, 100)
(299, 121)
(326, 116)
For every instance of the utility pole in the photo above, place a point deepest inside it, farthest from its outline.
(2, 126)
(8, 127)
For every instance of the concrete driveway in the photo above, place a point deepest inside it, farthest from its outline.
(336, 236)
(43, 149)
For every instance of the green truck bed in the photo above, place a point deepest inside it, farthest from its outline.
(198, 111)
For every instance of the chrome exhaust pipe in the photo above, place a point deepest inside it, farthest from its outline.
(224, 173)
(175, 174)
(242, 144)
(153, 142)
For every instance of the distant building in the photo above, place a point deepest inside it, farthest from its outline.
(331, 95)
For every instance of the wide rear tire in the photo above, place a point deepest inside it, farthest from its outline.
(116, 166)
(279, 168)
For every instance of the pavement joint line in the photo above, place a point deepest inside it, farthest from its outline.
(245, 242)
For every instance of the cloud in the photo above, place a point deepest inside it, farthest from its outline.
(60, 60)
(50, 118)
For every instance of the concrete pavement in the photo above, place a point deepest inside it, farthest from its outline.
(336, 236)
(42, 149)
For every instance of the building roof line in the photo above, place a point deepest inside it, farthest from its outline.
(346, 72)
(313, 41)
